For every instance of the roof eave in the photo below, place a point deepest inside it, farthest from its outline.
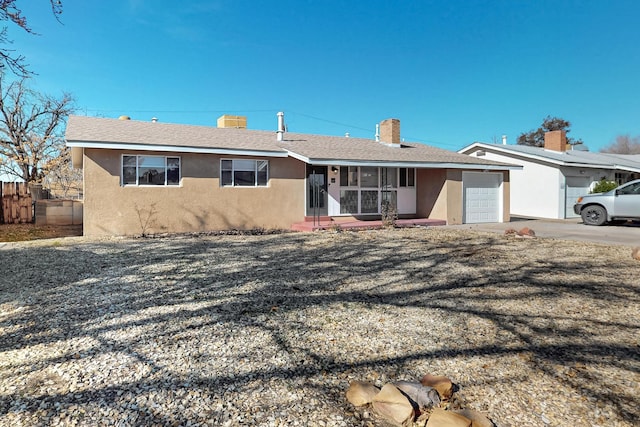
(402, 164)
(176, 149)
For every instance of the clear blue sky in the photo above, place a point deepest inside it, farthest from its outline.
(453, 72)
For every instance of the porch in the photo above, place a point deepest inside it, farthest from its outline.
(328, 223)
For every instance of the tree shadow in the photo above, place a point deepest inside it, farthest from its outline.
(265, 308)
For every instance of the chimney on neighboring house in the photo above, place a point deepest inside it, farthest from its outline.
(390, 132)
(555, 140)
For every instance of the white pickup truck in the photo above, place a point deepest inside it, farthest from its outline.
(618, 205)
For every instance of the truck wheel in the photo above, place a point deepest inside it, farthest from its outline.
(594, 215)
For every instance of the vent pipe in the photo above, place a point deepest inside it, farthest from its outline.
(154, 119)
(504, 139)
(377, 132)
(280, 131)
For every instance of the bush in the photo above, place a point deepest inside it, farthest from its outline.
(603, 186)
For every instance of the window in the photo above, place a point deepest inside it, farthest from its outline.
(150, 170)
(369, 177)
(629, 189)
(244, 173)
(349, 176)
(407, 177)
(389, 178)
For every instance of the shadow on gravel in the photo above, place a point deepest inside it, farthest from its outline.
(146, 299)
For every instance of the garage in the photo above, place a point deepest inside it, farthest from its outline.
(575, 187)
(481, 194)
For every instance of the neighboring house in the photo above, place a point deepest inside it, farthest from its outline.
(155, 177)
(552, 178)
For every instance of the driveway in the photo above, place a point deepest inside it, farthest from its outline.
(568, 229)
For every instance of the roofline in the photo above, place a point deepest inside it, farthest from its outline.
(547, 159)
(401, 164)
(177, 149)
(497, 148)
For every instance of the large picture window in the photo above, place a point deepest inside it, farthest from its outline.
(150, 170)
(244, 173)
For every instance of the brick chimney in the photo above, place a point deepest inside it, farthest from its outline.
(390, 131)
(555, 140)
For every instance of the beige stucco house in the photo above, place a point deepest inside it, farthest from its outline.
(150, 177)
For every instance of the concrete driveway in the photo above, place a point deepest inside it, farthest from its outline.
(568, 229)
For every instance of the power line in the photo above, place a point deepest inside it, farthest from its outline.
(227, 111)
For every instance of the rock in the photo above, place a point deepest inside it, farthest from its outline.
(510, 231)
(635, 253)
(478, 419)
(361, 393)
(526, 231)
(441, 418)
(422, 397)
(394, 406)
(443, 384)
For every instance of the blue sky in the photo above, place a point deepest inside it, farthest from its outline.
(453, 72)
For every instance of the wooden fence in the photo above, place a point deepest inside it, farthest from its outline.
(16, 204)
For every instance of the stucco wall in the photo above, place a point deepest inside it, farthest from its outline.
(198, 204)
(439, 193)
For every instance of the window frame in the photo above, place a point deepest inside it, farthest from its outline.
(137, 166)
(407, 177)
(260, 177)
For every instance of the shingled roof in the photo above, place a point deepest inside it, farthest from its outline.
(92, 132)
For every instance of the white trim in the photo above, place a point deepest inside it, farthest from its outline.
(401, 164)
(233, 170)
(177, 149)
(512, 153)
(166, 168)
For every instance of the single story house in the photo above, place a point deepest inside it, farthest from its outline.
(553, 177)
(151, 177)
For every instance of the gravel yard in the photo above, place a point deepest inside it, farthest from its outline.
(268, 330)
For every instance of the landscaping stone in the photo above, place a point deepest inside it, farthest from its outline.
(442, 384)
(441, 418)
(422, 397)
(361, 393)
(478, 419)
(394, 406)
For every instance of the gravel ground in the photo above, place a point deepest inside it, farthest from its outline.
(268, 330)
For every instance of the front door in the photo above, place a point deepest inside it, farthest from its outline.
(317, 198)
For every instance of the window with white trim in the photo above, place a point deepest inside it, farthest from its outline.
(407, 177)
(150, 170)
(244, 173)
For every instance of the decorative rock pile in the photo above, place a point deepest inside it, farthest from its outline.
(408, 404)
(525, 232)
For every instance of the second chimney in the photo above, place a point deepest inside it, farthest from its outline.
(390, 131)
(555, 140)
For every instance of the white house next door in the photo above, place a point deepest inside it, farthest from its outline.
(481, 194)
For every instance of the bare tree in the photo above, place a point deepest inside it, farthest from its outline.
(10, 12)
(31, 131)
(624, 144)
(62, 179)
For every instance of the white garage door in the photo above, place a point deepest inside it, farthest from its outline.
(481, 197)
(574, 188)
